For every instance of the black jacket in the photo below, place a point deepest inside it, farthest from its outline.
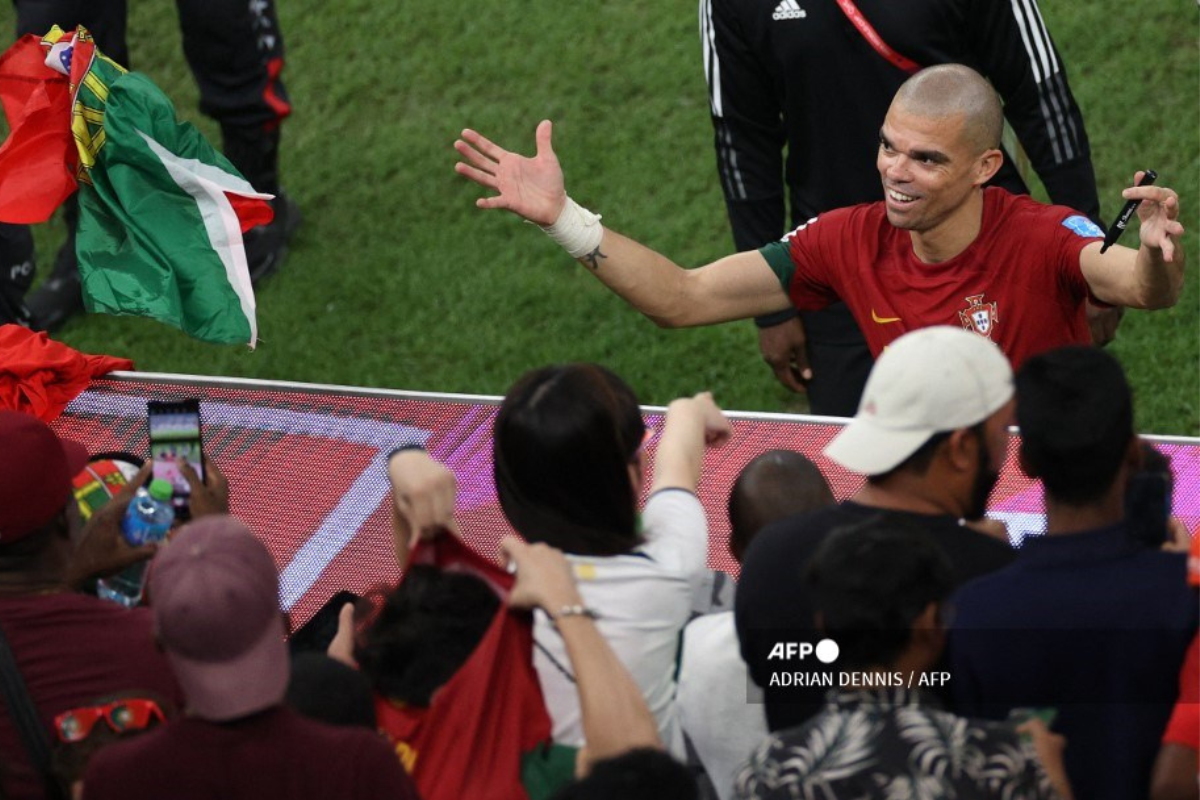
(798, 73)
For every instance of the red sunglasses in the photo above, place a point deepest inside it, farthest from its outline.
(132, 714)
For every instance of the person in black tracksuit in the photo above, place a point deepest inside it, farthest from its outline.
(235, 51)
(797, 74)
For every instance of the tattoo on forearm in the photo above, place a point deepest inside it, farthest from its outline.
(593, 258)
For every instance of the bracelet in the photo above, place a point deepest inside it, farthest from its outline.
(578, 230)
(397, 450)
(573, 611)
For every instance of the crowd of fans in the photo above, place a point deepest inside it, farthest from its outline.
(894, 644)
(593, 657)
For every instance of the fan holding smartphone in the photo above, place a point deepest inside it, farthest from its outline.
(174, 429)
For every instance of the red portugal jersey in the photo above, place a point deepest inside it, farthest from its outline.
(1018, 284)
(1184, 725)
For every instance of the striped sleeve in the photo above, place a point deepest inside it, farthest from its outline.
(748, 129)
(1016, 52)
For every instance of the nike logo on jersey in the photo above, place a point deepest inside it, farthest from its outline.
(788, 9)
(882, 320)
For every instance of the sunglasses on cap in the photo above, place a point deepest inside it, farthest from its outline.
(133, 714)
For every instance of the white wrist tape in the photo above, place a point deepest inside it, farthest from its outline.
(578, 230)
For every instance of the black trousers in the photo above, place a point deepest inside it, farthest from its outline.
(840, 360)
(235, 51)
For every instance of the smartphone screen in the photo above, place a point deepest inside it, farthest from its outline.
(316, 634)
(174, 437)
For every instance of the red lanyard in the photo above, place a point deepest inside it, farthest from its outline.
(874, 39)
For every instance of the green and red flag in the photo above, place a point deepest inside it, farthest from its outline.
(161, 212)
(37, 161)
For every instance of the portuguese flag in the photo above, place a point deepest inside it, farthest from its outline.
(161, 212)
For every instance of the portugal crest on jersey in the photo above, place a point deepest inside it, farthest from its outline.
(979, 316)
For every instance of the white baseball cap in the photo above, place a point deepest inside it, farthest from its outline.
(929, 380)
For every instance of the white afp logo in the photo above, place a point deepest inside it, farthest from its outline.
(826, 651)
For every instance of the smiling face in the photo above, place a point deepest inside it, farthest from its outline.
(930, 170)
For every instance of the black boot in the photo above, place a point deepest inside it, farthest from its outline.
(266, 245)
(254, 150)
(16, 272)
(60, 296)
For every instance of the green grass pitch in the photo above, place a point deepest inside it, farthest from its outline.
(397, 280)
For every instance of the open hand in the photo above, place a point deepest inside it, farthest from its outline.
(1159, 215)
(531, 188)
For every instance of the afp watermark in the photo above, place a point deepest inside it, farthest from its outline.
(826, 652)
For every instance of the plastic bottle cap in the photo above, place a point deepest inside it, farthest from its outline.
(161, 489)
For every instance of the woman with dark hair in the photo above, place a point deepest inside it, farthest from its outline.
(569, 469)
(567, 447)
(449, 655)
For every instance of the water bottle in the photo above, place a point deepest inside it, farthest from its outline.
(147, 520)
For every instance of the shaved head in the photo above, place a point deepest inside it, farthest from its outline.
(776, 484)
(950, 90)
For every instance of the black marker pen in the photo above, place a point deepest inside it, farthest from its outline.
(1117, 228)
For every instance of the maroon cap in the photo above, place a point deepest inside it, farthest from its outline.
(215, 596)
(36, 468)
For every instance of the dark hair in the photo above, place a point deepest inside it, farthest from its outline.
(428, 627)
(1075, 412)
(1156, 462)
(640, 774)
(563, 442)
(774, 485)
(325, 689)
(869, 582)
(69, 760)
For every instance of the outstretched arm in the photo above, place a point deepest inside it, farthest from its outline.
(692, 423)
(734, 287)
(1151, 276)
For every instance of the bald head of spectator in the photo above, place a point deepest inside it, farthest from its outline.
(776, 484)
